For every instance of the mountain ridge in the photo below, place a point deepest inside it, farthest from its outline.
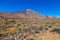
(25, 14)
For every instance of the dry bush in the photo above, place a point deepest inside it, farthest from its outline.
(12, 30)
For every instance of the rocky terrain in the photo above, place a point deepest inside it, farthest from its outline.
(28, 25)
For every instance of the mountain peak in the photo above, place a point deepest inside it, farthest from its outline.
(28, 10)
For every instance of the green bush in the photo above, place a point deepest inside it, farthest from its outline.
(4, 34)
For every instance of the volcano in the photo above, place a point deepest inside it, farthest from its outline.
(22, 14)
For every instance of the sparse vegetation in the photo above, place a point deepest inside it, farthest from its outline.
(22, 28)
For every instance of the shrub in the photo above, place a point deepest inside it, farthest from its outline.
(43, 29)
(3, 34)
(12, 30)
(35, 29)
(30, 39)
(56, 30)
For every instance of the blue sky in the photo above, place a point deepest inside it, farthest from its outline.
(46, 7)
